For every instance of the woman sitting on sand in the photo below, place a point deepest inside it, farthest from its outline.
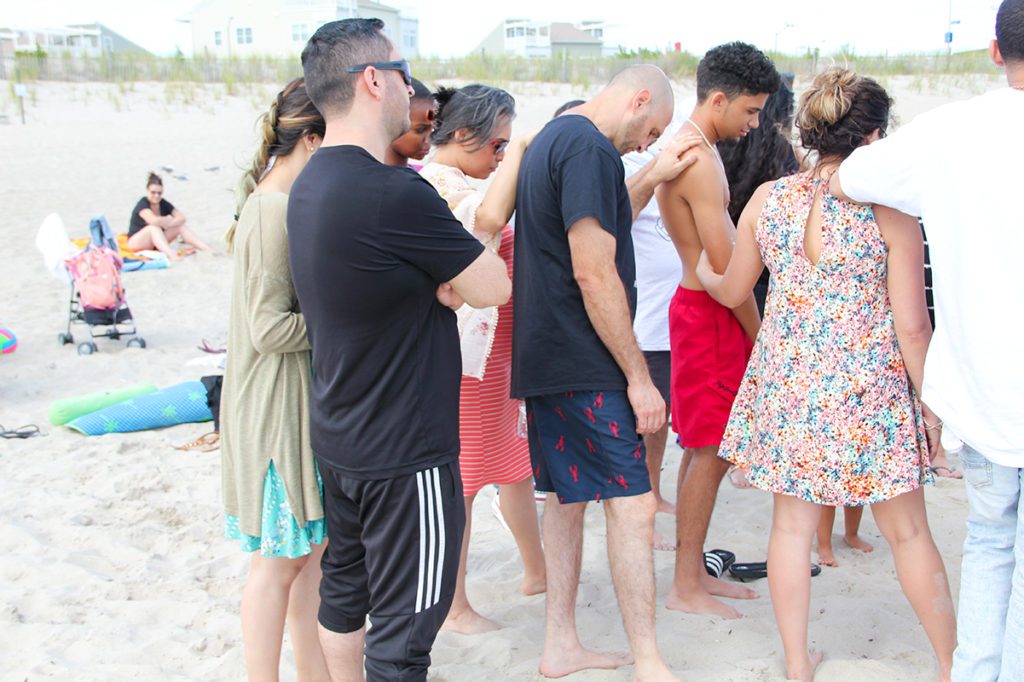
(414, 145)
(273, 496)
(156, 224)
(827, 413)
(474, 126)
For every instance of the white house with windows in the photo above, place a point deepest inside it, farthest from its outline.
(528, 38)
(612, 36)
(280, 28)
(77, 40)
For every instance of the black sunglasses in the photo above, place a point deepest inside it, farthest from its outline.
(401, 65)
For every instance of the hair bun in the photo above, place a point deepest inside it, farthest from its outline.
(830, 96)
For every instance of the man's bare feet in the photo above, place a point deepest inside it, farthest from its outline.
(804, 672)
(826, 557)
(567, 662)
(665, 507)
(858, 544)
(725, 588)
(663, 544)
(533, 585)
(468, 622)
(656, 671)
(700, 602)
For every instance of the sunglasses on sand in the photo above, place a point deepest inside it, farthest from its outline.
(401, 66)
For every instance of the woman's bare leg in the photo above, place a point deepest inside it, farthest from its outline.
(794, 522)
(152, 237)
(851, 533)
(904, 523)
(462, 618)
(303, 606)
(519, 509)
(828, 520)
(192, 238)
(264, 608)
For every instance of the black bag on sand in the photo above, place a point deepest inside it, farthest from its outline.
(213, 384)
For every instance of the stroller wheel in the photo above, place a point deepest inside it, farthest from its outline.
(64, 338)
(137, 342)
(87, 348)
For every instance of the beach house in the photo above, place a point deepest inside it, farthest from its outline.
(540, 39)
(280, 28)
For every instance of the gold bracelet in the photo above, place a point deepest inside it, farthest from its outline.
(931, 427)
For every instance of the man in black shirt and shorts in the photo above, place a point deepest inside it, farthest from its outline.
(378, 261)
(575, 360)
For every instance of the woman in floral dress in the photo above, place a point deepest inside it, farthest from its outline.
(827, 413)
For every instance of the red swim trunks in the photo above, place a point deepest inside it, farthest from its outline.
(709, 356)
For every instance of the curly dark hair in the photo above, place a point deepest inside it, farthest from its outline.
(736, 69)
(1010, 30)
(764, 154)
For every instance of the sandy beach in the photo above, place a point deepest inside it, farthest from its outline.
(113, 564)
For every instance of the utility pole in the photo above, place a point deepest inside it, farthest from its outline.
(949, 36)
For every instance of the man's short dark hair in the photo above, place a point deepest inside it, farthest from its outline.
(335, 46)
(736, 69)
(1010, 30)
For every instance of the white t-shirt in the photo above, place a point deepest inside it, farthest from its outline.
(658, 268)
(961, 169)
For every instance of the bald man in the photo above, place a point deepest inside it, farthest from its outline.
(575, 361)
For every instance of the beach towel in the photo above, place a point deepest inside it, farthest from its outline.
(53, 242)
(180, 404)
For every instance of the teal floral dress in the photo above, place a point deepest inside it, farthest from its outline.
(826, 411)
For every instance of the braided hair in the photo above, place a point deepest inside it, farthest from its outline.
(291, 117)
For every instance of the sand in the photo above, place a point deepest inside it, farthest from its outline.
(113, 564)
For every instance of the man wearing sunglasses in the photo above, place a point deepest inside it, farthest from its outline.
(378, 261)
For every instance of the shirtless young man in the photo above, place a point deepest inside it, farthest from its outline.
(710, 343)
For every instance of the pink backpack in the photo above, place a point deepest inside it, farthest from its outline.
(97, 275)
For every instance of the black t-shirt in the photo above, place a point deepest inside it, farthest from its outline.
(137, 223)
(369, 244)
(570, 171)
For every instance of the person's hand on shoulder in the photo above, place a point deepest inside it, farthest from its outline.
(670, 162)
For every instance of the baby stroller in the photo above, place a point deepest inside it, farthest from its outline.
(97, 296)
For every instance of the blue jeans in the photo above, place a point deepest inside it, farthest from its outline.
(990, 625)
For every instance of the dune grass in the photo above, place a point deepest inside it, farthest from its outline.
(239, 75)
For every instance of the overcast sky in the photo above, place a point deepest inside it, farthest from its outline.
(453, 27)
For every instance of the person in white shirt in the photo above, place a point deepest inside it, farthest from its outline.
(967, 191)
(658, 272)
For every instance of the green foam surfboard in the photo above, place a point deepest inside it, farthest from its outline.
(64, 410)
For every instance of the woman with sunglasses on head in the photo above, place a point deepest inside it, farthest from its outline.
(415, 143)
(273, 495)
(828, 411)
(473, 137)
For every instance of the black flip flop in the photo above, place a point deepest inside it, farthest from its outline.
(27, 431)
(717, 561)
(759, 569)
